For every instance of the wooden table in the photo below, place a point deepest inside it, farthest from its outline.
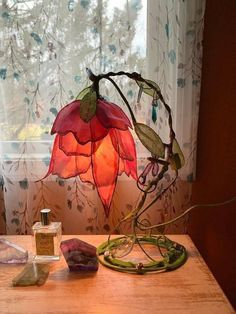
(189, 289)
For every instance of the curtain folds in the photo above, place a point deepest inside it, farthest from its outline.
(174, 62)
(44, 49)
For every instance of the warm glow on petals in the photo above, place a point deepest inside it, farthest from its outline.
(128, 167)
(87, 176)
(97, 151)
(67, 166)
(106, 194)
(105, 163)
(131, 168)
(123, 143)
(121, 167)
(71, 147)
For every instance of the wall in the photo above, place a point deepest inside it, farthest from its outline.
(214, 229)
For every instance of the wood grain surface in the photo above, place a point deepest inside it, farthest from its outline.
(189, 289)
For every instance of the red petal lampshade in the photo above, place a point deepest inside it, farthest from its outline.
(97, 151)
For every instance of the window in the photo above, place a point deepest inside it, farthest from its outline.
(45, 49)
(45, 46)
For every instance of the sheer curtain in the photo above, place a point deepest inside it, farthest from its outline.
(44, 50)
(174, 62)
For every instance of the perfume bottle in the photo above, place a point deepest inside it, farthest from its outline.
(46, 238)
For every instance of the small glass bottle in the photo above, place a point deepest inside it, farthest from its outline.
(46, 238)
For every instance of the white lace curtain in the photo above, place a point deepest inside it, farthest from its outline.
(45, 47)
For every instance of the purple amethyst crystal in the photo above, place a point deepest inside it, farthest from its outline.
(79, 255)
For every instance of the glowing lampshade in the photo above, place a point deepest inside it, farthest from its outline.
(97, 150)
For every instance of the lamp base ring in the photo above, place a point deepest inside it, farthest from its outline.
(175, 255)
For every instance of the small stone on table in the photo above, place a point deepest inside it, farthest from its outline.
(32, 274)
(79, 255)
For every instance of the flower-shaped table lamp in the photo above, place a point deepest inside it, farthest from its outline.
(93, 141)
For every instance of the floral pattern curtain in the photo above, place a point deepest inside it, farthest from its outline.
(174, 62)
(44, 49)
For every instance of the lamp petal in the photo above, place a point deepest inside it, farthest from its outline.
(111, 115)
(69, 145)
(105, 163)
(68, 120)
(87, 176)
(131, 168)
(106, 194)
(121, 167)
(67, 166)
(123, 143)
(128, 167)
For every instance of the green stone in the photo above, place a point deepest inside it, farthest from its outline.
(32, 274)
